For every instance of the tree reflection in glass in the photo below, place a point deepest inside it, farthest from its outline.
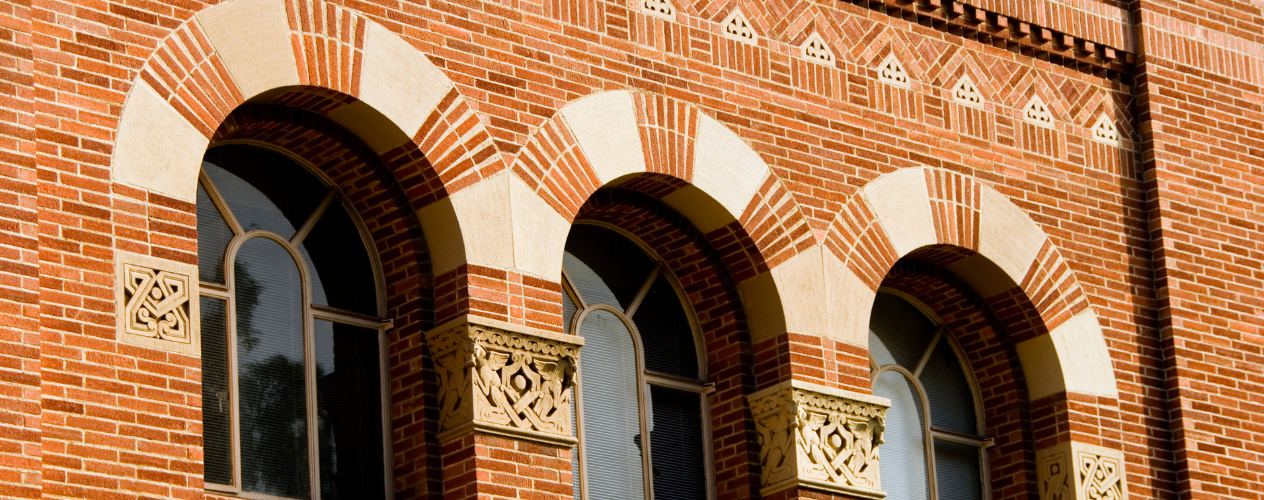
(292, 403)
(273, 404)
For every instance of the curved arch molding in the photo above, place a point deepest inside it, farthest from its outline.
(720, 183)
(238, 50)
(911, 208)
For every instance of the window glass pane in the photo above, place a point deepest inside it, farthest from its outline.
(349, 409)
(678, 467)
(216, 401)
(904, 471)
(666, 335)
(568, 311)
(612, 427)
(213, 238)
(264, 189)
(898, 332)
(271, 371)
(604, 266)
(576, 480)
(951, 401)
(341, 269)
(956, 471)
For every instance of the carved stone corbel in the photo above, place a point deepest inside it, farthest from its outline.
(1078, 471)
(820, 438)
(504, 379)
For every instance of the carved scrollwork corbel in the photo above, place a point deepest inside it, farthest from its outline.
(1079, 471)
(816, 437)
(501, 381)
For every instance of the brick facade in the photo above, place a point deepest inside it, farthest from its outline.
(781, 188)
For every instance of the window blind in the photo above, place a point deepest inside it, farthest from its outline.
(612, 423)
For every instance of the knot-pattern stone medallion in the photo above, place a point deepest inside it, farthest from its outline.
(819, 438)
(504, 380)
(157, 304)
(1078, 471)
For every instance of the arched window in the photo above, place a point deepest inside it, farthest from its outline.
(292, 336)
(934, 440)
(641, 406)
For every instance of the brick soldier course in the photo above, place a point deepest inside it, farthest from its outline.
(1076, 186)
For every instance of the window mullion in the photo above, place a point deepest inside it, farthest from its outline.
(568, 284)
(643, 393)
(309, 370)
(301, 233)
(349, 318)
(220, 204)
(388, 476)
(234, 388)
(674, 382)
(934, 341)
(958, 437)
(927, 434)
(643, 291)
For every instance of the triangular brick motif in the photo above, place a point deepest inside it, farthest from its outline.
(891, 72)
(1036, 112)
(965, 92)
(1105, 131)
(816, 50)
(659, 8)
(737, 27)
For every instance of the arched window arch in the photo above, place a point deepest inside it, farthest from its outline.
(641, 373)
(292, 333)
(934, 442)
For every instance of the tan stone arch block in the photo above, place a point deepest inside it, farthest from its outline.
(902, 204)
(398, 80)
(1072, 358)
(788, 298)
(156, 149)
(848, 302)
(473, 226)
(442, 228)
(725, 167)
(539, 232)
(252, 37)
(1007, 236)
(606, 129)
(700, 208)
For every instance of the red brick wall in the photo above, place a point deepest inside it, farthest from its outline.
(492, 468)
(1165, 251)
(20, 400)
(1204, 109)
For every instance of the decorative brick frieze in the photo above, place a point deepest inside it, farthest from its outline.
(1036, 112)
(737, 27)
(819, 438)
(1017, 35)
(503, 379)
(892, 72)
(157, 303)
(817, 50)
(1105, 131)
(659, 8)
(967, 93)
(1078, 471)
